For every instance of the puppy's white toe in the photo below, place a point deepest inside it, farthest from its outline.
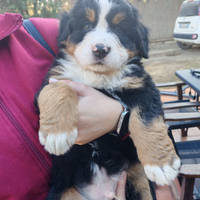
(176, 164)
(163, 175)
(171, 171)
(155, 174)
(42, 137)
(58, 143)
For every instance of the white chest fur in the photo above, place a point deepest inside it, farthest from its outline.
(70, 69)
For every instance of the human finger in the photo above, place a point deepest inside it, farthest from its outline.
(121, 187)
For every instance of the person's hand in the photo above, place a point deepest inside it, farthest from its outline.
(121, 187)
(98, 114)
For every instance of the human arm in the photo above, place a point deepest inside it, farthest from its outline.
(98, 114)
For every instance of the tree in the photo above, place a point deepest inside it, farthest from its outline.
(35, 8)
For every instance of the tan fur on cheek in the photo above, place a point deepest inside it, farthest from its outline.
(137, 177)
(90, 14)
(132, 54)
(57, 73)
(118, 18)
(132, 83)
(71, 194)
(70, 47)
(154, 147)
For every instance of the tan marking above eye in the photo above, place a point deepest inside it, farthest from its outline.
(118, 18)
(90, 14)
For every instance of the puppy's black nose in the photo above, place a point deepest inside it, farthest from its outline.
(100, 51)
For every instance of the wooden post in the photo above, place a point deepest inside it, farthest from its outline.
(179, 91)
(187, 187)
(180, 97)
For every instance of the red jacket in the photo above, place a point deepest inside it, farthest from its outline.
(24, 164)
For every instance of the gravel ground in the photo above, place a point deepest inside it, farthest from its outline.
(166, 57)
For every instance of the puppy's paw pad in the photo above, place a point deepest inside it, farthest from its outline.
(58, 143)
(164, 175)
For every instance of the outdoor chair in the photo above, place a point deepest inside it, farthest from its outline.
(189, 152)
(188, 186)
(176, 111)
(183, 114)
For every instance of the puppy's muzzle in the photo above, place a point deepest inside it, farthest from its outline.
(100, 51)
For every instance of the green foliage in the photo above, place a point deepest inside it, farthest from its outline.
(39, 8)
(35, 8)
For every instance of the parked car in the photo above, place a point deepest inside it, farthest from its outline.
(187, 25)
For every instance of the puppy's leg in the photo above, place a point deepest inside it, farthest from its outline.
(154, 147)
(72, 194)
(137, 178)
(58, 117)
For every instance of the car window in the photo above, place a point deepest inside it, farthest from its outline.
(189, 9)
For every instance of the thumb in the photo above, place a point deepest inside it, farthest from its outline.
(121, 187)
(80, 89)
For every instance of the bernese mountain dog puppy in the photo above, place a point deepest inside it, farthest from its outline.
(101, 45)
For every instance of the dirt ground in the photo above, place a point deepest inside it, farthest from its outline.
(166, 57)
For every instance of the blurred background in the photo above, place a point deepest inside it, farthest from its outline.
(159, 15)
(35, 8)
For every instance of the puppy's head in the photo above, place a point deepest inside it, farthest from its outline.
(103, 35)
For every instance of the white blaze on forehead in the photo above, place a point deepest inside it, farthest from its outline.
(105, 7)
(84, 51)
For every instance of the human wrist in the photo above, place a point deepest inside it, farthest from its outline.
(116, 113)
(121, 129)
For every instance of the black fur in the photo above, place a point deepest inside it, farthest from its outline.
(73, 168)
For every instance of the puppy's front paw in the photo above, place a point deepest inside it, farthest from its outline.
(58, 117)
(58, 143)
(154, 147)
(163, 174)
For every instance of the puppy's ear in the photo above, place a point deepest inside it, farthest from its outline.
(64, 28)
(143, 34)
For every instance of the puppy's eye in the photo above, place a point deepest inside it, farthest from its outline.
(119, 29)
(88, 27)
